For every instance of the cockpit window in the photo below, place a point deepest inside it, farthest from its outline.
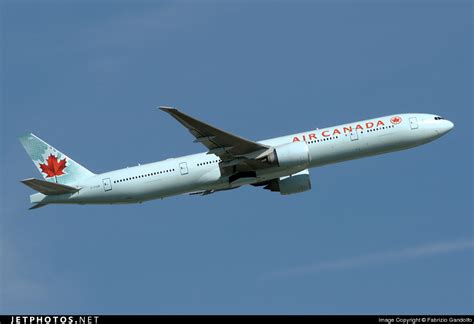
(438, 118)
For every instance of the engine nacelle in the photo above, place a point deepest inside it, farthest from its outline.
(290, 155)
(295, 183)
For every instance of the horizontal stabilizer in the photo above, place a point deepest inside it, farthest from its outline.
(37, 206)
(49, 188)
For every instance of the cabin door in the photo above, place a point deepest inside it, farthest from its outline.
(107, 184)
(183, 168)
(413, 123)
(354, 136)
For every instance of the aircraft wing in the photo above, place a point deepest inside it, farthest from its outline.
(232, 149)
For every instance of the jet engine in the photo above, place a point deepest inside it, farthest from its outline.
(290, 155)
(288, 185)
(295, 183)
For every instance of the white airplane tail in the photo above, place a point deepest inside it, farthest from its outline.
(52, 164)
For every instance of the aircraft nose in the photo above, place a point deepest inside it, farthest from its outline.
(446, 126)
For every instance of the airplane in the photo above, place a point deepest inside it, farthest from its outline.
(279, 164)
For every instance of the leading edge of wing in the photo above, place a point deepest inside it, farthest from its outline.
(219, 142)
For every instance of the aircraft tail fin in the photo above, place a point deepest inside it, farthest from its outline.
(53, 165)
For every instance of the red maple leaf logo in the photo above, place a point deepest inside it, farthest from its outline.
(53, 166)
(396, 120)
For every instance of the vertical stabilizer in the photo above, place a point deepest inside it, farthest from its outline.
(53, 165)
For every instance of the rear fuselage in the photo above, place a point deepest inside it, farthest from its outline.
(201, 172)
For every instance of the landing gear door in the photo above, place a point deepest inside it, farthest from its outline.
(413, 123)
(183, 168)
(107, 184)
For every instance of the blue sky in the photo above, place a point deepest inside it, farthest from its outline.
(387, 234)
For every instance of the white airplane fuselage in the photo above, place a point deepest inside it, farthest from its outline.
(201, 172)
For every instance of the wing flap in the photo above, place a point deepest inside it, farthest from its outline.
(49, 188)
(210, 191)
